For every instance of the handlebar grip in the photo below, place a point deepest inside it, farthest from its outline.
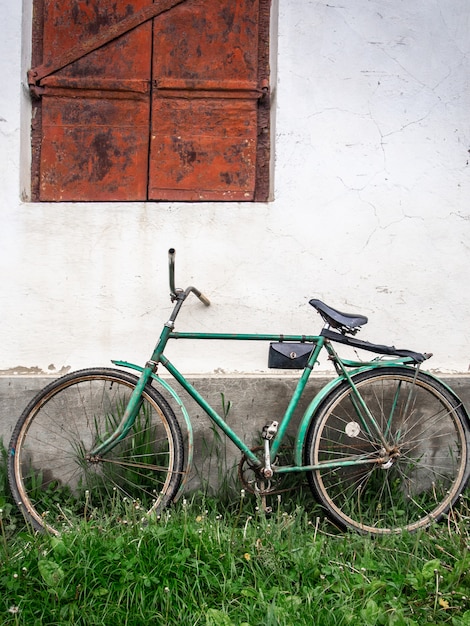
(204, 299)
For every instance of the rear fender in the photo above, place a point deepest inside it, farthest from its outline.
(312, 408)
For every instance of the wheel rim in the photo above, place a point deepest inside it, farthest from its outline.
(405, 484)
(59, 484)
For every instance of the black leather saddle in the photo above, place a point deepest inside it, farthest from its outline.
(351, 323)
(344, 322)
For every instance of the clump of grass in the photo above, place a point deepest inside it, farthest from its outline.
(216, 474)
(10, 518)
(203, 564)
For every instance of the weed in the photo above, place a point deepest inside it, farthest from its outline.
(203, 563)
(200, 564)
(216, 474)
(9, 513)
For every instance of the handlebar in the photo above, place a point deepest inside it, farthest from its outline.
(171, 268)
(176, 293)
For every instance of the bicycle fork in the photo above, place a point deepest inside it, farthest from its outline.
(132, 409)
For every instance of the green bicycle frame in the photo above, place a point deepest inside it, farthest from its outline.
(318, 343)
(346, 370)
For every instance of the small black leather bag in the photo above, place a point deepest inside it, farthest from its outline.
(289, 356)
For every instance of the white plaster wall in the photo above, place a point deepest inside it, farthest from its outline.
(370, 210)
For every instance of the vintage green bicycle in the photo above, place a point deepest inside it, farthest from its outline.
(385, 446)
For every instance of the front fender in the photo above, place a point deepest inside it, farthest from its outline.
(189, 429)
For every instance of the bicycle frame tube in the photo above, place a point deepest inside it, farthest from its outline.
(347, 376)
(158, 357)
(318, 343)
(248, 337)
(362, 410)
(286, 418)
(219, 421)
(228, 431)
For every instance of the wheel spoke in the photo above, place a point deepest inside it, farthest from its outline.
(54, 477)
(419, 472)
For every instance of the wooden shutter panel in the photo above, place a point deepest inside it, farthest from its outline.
(162, 111)
(205, 101)
(95, 111)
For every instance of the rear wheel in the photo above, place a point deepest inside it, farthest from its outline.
(399, 476)
(51, 474)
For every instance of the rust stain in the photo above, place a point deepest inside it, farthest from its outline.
(199, 71)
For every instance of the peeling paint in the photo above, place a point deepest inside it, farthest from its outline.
(22, 370)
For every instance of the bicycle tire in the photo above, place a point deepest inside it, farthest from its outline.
(411, 482)
(50, 476)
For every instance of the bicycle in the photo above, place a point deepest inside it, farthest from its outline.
(385, 446)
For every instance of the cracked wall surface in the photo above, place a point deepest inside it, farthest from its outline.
(370, 210)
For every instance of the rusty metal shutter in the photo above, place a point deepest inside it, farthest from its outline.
(162, 101)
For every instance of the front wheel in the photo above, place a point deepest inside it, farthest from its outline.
(400, 473)
(55, 480)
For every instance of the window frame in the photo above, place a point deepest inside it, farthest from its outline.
(262, 169)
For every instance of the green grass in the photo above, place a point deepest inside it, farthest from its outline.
(212, 564)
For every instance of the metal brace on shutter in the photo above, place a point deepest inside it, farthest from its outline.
(36, 74)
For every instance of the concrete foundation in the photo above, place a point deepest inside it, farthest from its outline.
(254, 400)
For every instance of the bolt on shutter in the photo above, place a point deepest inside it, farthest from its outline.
(162, 101)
